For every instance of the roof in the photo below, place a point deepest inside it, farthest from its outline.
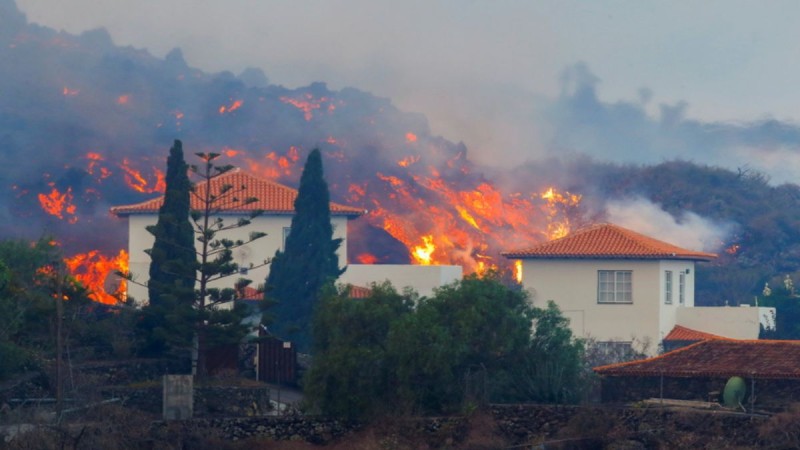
(250, 293)
(358, 291)
(680, 333)
(718, 358)
(273, 198)
(607, 241)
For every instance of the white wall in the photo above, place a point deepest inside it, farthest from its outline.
(735, 322)
(139, 240)
(572, 284)
(422, 278)
(668, 312)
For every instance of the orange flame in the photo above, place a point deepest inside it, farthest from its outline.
(366, 258)
(423, 254)
(308, 104)
(92, 270)
(518, 270)
(67, 92)
(232, 107)
(411, 137)
(59, 205)
(136, 181)
(123, 99)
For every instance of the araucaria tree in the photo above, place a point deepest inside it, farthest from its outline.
(218, 325)
(309, 261)
(186, 311)
(167, 323)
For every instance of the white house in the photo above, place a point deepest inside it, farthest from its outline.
(275, 200)
(616, 285)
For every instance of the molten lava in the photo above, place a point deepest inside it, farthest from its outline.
(136, 181)
(93, 270)
(236, 104)
(59, 204)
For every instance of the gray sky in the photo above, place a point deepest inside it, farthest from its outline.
(476, 68)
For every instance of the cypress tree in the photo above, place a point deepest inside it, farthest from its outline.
(167, 322)
(309, 261)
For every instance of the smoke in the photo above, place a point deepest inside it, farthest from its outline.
(578, 122)
(689, 230)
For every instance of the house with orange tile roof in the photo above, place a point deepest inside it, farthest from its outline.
(618, 286)
(275, 200)
(699, 372)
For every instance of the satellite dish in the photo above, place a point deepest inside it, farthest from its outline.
(734, 392)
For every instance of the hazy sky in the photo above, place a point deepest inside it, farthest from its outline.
(471, 66)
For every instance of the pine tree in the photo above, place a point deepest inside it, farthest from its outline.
(309, 262)
(218, 325)
(167, 323)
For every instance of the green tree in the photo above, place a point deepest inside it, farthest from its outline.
(218, 323)
(167, 321)
(309, 261)
(474, 341)
(350, 352)
(462, 343)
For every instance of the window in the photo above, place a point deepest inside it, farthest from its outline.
(668, 287)
(286, 231)
(681, 288)
(614, 286)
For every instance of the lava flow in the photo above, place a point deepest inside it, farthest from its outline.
(94, 270)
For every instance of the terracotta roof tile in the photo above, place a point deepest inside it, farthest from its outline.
(607, 241)
(359, 292)
(680, 333)
(250, 293)
(718, 358)
(273, 198)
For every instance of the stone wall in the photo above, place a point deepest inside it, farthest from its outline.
(212, 401)
(770, 395)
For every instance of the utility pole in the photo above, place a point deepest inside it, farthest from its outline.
(59, 339)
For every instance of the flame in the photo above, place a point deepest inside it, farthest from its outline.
(407, 161)
(67, 92)
(94, 167)
(59, 204)
(92, 270)
(733, 249)
(423, 254)
(366, 258)
(136, 181)
(308, 104)
(411, 137)
(556, 201)
(231, 108)
(123, 99)
(518, 270)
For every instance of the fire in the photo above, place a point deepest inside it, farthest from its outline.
(67, 92)
(59, 204)
(518, 270)
(123, 99)
(411, 137)
(556, 202)
(366, 258)
(407, 161)
(93, 269)
(94, 167)
(230, 152)
(231, 108)
(733, 249)
(423, 254)
(308, 104)
(135, 180)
